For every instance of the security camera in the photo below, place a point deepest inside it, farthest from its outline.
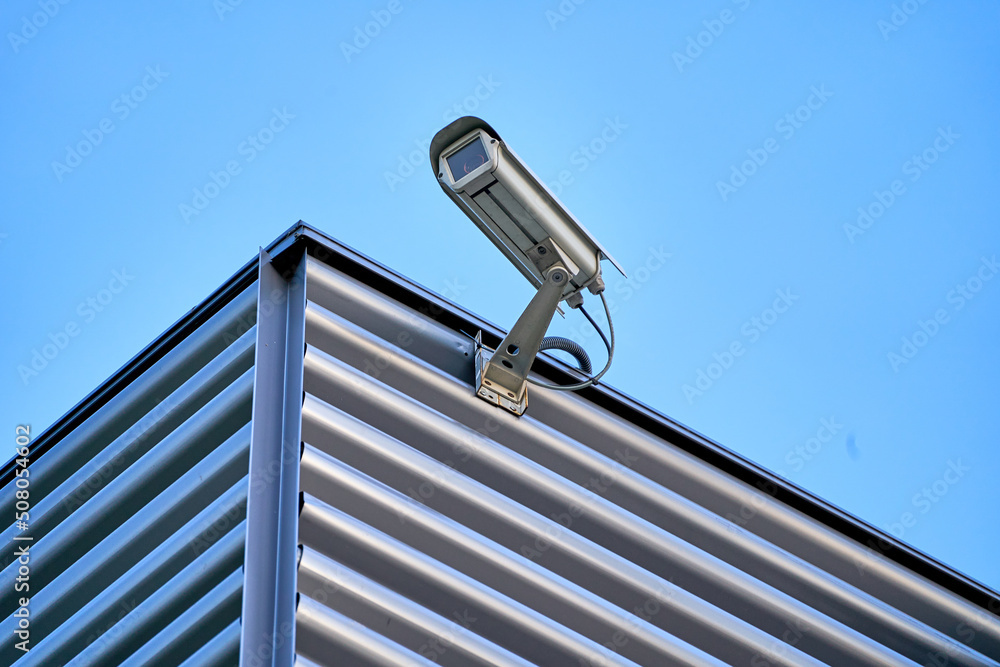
(519, 214)
(515, 210)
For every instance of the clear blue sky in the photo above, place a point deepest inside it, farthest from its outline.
(720, 150)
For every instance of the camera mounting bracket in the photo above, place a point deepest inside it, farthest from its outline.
(503, 378)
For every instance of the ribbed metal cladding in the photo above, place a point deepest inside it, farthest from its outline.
(138, 517)
(434, 528)
(298, 472)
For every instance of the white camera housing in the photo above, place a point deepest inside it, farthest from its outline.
(515, 210)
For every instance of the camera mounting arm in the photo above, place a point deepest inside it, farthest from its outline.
(503, 379)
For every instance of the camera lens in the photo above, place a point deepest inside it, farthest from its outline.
(468, 158)
(473, 162)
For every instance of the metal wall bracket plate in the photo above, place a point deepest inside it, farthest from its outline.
(487, 391)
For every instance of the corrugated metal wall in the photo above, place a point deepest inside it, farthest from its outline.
(138, 515)
(435, 528)
(306, 476)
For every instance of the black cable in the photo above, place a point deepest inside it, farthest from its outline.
(590, 319)
(610, 345)
(570, 347)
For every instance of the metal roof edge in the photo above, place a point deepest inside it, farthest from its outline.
(393, 284)
(145, 358)
(325, 248)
